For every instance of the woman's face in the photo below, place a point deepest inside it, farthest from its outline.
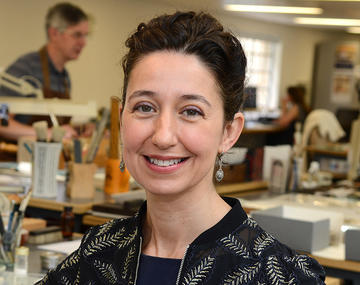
(172, 123)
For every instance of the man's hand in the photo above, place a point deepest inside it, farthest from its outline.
(69, 132)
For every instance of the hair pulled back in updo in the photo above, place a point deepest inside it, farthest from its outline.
(197, 34)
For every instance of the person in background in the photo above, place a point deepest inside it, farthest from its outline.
(183, 88)
(67, 29)
(293, 109)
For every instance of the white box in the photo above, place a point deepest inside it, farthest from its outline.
(298, 227)
(352, 244)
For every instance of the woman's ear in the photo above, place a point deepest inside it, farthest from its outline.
(232, 132)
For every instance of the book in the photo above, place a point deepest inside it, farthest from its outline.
(117, 210)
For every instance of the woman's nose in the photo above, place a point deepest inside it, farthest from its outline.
(164, 135)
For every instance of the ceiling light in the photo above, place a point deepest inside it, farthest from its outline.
(353, 30)
(338, 0)
(272, 9)
(327, 21)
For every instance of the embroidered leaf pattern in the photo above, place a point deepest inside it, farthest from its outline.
(199, 272)
(45, 279)
(301, 262)
(262, 242)
(105, 228)
(129, 257)
(86, 236)
(243, 274)
(64, 280)
(71, 260)
(251, 223)
(127, 240)
(99, 243)
(106, 270)
(292, 279)
(77, 280)
(233, 244)
(274, 272)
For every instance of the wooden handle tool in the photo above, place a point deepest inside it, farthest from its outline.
(114, 128)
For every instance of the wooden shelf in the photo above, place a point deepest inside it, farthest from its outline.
(326, 151)
(90, 220)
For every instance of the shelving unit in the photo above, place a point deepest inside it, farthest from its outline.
(331, 151)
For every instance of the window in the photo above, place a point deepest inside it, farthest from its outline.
(263, 70)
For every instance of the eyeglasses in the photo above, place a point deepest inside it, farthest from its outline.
(78, 35)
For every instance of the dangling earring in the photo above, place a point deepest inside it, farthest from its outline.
(219, 175)
(122, 165)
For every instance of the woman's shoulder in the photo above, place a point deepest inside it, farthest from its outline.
(278, 261)
(113, 227)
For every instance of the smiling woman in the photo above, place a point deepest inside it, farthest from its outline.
(184, 79)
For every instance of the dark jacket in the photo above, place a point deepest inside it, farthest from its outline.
(234, 251)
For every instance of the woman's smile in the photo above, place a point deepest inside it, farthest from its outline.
(164, 165)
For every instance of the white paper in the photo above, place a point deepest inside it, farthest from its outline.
(65, 247)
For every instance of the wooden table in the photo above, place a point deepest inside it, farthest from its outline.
(255, 134)
(344, 269)
(50, 209)
(253, 127)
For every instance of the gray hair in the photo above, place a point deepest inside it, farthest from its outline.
(63, 15)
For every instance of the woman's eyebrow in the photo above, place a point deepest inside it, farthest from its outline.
(195, 97)
(140, 93)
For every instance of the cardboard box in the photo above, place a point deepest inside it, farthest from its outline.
(297, 227)
(352, 244)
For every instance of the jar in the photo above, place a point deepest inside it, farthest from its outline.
(67, 221)
(21, 260)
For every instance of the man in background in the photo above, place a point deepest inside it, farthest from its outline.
(67, 29)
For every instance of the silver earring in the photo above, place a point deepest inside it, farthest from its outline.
(122, 165)
(219, 175)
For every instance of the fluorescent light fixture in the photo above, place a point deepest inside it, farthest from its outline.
(272, 9)
(338, 0)
(327, 21)
(353, 30)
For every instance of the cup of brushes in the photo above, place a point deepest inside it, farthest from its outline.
(81, 175)
(115, 180)
(10, 231)
(45, 160)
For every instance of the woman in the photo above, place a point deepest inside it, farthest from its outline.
(293, 107)
(293, 110)
(183, 85)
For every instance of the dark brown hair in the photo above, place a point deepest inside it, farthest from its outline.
(297, 95)
(197, 34)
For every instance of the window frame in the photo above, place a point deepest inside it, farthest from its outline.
(271, 101)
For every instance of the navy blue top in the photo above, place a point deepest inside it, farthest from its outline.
(157, 270)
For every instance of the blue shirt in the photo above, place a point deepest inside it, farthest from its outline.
(156, 270)
(29, 68)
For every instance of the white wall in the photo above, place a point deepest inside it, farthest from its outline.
(97, 75)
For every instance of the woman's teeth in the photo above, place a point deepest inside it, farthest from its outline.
(165, 163)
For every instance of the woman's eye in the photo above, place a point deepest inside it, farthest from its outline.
(192, 112)
(144, 108)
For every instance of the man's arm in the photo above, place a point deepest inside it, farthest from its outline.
(15, 129)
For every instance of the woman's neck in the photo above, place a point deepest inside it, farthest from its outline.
(172, 223)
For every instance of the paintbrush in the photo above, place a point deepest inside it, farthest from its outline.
(57, 134)
(97, 136)
(41, 128)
